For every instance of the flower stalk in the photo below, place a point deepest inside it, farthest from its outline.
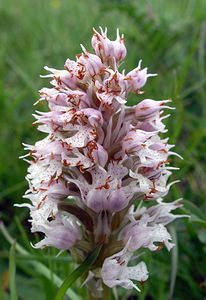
(106, 293)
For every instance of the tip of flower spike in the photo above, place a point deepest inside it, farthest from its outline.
(23, 205)
(173, 168)
(140, 92)
(49, 70)
(136, 287)
(83, 48)
(95, 31)
(115, 64)
(38, 101)
(33, 246)
(59, 253)
(167, 100)
(118, 38)
(23, 156)
(103, 32)
(152, 74)
(179, 202)
(172, 183)
(163, 102)
(165, 117)
(139, 64)
(45, 76)
(175, 154)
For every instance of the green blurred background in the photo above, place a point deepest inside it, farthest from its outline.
(170, 37)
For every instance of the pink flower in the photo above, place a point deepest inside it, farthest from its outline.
(99, 158)
(143, 236)
(61, 234)
(116, 272)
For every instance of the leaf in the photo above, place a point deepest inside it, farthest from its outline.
(193, 209)
(23, 234)
(174, 262)
(196, 219)
(27, 287)
(202, 236)
(12, 189)
(84, 267)
(12, 272)
(196, 215)
(22, 75)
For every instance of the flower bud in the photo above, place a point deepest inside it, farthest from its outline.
(107, 49)
(137, 78)
(117, 200)
(61, 78)
(96, 199)
(89, 64)
(148, 108)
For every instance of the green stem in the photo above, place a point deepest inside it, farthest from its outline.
(106, 292)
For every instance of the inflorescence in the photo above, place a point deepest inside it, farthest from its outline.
(101, 172)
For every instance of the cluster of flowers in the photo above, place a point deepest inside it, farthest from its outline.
(99, 156)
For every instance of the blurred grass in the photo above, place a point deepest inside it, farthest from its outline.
(170, 37)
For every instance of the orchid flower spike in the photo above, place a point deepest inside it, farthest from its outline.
(99, 159)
